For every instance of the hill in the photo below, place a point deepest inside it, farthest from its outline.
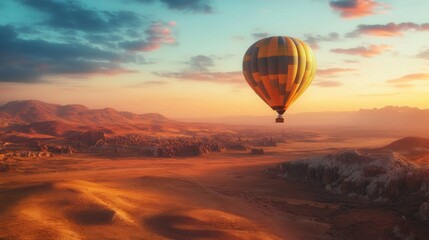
(32, 118)
(30, 111)
(408, 143)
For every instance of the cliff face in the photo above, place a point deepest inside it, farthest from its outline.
(383, 177)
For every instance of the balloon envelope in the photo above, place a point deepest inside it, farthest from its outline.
(279, 69)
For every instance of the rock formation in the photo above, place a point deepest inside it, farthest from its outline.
(386, 177)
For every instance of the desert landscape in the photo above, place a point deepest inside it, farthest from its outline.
(214, 120)
(121, 179)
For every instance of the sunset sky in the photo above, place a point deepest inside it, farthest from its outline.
(182, 58)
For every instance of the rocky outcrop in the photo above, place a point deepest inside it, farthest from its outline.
(8, 167)
(92, 137)
(267, 142)
(26, 154)
(7, 164)
(168, 147)
(384, 178)
(257, 151)
(61, 149)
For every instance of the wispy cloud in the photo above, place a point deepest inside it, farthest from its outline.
(196, 6)
(333, 72)
(409, 78)
(388, 30)
(158, 34)
(314, 40)
(203, 6)
(358, 8)
(149, 84)
(199, 70)
(217, 77)
(350, 61)
(364, 51)
(201, 63)
(328, 83)
(260, 35)
(423, 54)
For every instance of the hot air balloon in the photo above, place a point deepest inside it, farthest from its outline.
(279, 69)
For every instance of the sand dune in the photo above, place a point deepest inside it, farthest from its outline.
(226, 195)
(147, 207)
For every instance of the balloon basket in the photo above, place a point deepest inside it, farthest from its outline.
(280, 119)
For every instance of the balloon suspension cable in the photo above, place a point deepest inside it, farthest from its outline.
(280, 119)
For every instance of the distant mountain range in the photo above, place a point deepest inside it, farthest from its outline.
(410, 120)
(30, 111)
(36, 117)
(42, 120)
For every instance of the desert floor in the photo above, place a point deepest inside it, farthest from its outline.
(229, 195)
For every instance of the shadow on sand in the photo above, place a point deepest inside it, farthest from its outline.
(92, 216)
(180, 227)
(12, 196)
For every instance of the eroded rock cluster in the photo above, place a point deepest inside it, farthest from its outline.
(382, 178)
(169, 147)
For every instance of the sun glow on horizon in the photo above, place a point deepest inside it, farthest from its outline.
(184, 61)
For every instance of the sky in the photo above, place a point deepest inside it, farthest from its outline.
(183, 58)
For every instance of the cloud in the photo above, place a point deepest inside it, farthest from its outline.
(201, 63)
(423, 54)
(149, 84)
(313, 40)
(158, 34)
(196, 6)
(409, 78)
(198, 70)
(24, 60)
(333, 72)
(364, 51)
(201, 6)
(72, 21)
(73, 16)
(358, 8)
(328, 83)
(350, 61)
(260, 35)
(217, 77)
(104, 40)
(388, 30)
(73, 39)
